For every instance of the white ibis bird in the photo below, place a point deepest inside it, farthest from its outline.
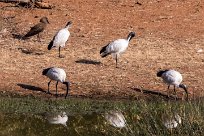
(38, 28)
(56, 74)
(116, 47)
(60, 38)
(172, 77)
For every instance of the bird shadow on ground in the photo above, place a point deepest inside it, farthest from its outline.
(34, 88)
(18, 36)
(156, 93)
(30, 51)
(31, 87)
(86, 61)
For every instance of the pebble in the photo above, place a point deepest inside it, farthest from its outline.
(199, 50)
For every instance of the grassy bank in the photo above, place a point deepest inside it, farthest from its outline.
(86, 116)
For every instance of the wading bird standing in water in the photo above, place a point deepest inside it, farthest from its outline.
(172, 77)
(37, 29)
(116, 47)
(60, 39)
(56, 74)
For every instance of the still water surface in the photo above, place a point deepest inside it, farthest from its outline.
(26, 117)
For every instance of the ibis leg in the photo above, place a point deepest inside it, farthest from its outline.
(116, 59)
(38, 36)
(56, 89)
(168, 90)
(186, 94)
(67, 84)
(175, 89)
(59, 52)
(49, 87)
(60, 56)
(168, 87)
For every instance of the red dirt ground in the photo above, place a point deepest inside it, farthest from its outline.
(169, 34)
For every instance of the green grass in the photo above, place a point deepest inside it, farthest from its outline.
(86, 116)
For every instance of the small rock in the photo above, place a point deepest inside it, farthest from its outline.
(200, 50)
(138, 3)
(3, 31)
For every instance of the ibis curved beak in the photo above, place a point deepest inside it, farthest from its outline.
(185, 89)
(67, 85)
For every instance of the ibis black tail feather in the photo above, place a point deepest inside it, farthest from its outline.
(45, 71)
(50, 45)
(103, 51)
(104, 54)
(160, 72)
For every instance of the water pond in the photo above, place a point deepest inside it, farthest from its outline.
(84, 117)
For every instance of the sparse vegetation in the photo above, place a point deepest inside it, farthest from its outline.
(86, 116)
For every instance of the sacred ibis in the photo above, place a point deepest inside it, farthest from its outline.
(60, 38)
(172, 77)
(37, 29)
(56, 74)
(116, 47)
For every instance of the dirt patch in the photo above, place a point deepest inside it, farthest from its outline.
(169, 34)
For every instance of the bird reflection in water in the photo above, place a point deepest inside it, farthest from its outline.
(172, 122)
(116, 119)
(57, 118)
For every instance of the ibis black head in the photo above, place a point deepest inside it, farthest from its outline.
(68, 24)
(131, 35)
(159, 73)
(44, 20)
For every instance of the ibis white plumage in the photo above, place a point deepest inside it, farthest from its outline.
(60, 39)
(116, 47)
(172, 77)
(56, 74)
